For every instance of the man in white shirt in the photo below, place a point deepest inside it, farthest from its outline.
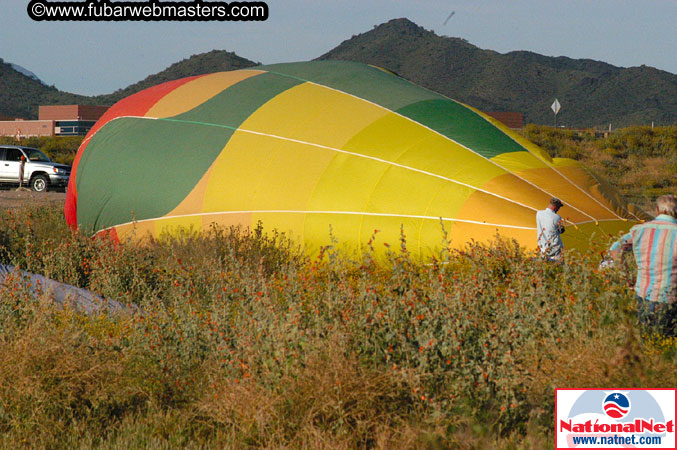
(549, 227)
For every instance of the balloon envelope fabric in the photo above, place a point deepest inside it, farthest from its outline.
(325, 151)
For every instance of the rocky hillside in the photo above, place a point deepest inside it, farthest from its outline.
(591, 92)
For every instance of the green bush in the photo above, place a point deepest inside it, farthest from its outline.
(61, 149)
(242, 341)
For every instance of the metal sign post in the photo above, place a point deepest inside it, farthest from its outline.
(556, 107)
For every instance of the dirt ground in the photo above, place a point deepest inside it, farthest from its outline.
(11, 198)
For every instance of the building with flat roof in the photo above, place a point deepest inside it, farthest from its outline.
(54, 120)
(71, 120)
(20, 128)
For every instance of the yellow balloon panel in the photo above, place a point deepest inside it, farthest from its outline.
(226, 220)
(136, 230)
(449, 200)
(280, 174)
(233, 178)
(485, 208)
(347, 184)
(401, 141)
(520, 191)
(390, 229)
(291, 223)
(320, 228)
(401, 191)
(581, 236)
(519, 161)
(313, 113)
(168, 225)
(194, 201)
(259, 172)
(574, 198)
(461, 233)
(579, 176)
(431, 235)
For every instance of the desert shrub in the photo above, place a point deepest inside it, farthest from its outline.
(61, 149)
(242, 341)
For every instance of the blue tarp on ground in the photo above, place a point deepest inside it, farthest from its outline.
(65, 294)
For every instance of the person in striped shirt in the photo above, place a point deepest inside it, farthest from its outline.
(654, 245)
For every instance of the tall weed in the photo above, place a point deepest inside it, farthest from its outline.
(241, 341)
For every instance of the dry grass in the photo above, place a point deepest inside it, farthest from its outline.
(244, 343)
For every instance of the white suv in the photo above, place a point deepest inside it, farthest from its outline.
(40, 172)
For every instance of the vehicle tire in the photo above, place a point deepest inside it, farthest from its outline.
(39, 183)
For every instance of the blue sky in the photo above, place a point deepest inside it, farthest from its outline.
(100, 57)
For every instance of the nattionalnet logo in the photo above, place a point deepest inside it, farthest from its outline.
(616, 418)
(616, 405)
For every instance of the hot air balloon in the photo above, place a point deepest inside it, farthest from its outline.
(323, 151)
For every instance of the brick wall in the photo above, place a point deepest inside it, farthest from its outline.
(92, 112)
(58, 112)
(71, 112)
(510, 119)
(27, 128)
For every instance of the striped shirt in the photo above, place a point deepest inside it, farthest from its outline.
(654, 244)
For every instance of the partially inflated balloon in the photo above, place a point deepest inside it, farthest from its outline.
(325, 151)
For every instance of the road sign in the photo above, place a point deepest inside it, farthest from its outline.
(556, 106)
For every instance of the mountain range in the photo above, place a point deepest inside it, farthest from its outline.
(592, 93)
